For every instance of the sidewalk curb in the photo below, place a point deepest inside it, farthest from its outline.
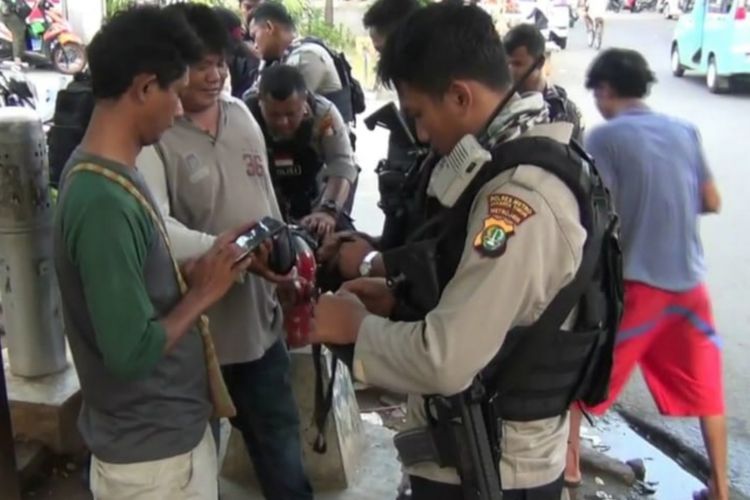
(692, 460)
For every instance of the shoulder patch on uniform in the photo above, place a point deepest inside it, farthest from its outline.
(505, 213)
(325, 127)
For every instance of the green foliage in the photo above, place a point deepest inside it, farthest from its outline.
(115, 5)
(311, 22)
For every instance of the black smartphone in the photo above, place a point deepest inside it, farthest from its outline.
(266, 229)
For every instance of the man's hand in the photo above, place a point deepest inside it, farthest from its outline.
(260, 266)
(338, 318)
(376, 295)
(329, 248)
(346, 251)
(211, 276)
(260, 256)
(320, 223)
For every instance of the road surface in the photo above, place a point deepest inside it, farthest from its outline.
(723, 121)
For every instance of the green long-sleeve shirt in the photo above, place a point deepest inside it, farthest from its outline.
(117, 281)
(107, 235)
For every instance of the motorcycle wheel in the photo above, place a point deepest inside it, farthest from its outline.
(69, 58)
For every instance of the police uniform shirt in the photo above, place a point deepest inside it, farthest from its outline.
(317, 68)
(539, 253)
(207, 185)
(329, 140)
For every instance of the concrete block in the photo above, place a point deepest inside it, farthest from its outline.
(337, 468)
(45, 409)
(378, 478)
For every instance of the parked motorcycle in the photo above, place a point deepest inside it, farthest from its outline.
(49, 40)
(615, 5)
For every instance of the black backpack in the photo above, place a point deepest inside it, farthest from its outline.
(73, 109)
(349, 84)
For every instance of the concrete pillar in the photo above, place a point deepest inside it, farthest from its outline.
(28, 284)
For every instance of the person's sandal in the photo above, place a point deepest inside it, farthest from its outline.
(701, 495)
(572, 484)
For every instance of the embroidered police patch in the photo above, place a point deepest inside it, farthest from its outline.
(505, 213)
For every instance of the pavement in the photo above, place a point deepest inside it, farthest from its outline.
(606, 475)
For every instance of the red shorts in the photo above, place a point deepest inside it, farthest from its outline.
(672, 336)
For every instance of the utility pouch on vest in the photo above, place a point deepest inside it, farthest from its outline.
(413, 276)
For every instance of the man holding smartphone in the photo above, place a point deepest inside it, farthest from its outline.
(148, 372)
(209, 172)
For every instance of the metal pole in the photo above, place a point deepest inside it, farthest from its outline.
(9, 489)
(28, 284)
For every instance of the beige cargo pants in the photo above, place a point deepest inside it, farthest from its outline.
(190, 476)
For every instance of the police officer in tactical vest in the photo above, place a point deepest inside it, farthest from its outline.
(309, 154)
(501, 307)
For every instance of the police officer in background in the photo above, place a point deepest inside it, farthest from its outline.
(308, 147)
(274, 32)
(383, 16)
(502, 237)
(524, 45)
(380, 20)
(242, 61)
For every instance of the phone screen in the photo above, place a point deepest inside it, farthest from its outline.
(262, 231)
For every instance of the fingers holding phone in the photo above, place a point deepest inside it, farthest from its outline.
(211, 276)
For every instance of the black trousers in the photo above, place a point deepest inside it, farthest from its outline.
(424, 489)
(267, 418)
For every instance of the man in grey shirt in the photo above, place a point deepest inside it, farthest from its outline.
(210, 172)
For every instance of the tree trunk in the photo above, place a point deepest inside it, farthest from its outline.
(329, 12)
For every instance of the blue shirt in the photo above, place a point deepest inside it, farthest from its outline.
(655, 168)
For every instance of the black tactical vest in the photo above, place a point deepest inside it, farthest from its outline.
(294, 165)
(539, 370)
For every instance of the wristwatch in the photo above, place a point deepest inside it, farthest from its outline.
(365, 268)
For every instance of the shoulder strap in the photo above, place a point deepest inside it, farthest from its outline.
(571, 165)
(578, 174)
(559, 159)
(222, 401)
(342, 67)
(543, 152)
(507, 375)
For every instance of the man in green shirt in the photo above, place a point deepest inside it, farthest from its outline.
(130, 320)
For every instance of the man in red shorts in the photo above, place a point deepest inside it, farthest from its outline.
(655, 168)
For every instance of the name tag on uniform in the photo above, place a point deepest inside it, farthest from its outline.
(284, 166)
